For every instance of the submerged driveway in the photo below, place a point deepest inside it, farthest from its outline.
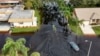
(86, 28)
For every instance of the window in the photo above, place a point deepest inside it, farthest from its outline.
(21, 23)
(97, 20)
(93, 20)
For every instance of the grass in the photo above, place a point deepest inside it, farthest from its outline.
(29, 29)
(74, 27)
(97, 30)
(26, 29)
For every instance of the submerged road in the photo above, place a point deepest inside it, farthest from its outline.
(82, 42)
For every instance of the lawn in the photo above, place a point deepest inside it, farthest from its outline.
(97, 30)
(74, 27)
(29, 29)
(26, 29)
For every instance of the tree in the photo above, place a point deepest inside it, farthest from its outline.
(35, 54)
(37, 4)
(85, 3)
(28, 4)
(67, 9)
(12, 48)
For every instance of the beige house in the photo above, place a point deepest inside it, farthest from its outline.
(88, 14)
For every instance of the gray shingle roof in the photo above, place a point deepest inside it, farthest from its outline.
(4, 17)
(21, 14)
(2, 10)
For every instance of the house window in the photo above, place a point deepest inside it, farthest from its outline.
(93, 20)
(97, 20)
(21, 23)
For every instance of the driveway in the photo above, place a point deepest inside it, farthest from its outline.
(86, 28)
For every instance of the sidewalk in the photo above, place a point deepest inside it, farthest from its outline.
(86, 28)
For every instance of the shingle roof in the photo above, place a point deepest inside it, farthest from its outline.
(2, 10)
(87, 13)
(5, 10)
(22, 16)
(4, 17)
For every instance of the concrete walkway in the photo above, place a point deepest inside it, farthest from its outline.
(86, 28)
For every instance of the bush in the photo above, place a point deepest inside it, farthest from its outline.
(35, 54)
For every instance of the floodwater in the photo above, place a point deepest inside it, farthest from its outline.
(50, 43)
(53, 39)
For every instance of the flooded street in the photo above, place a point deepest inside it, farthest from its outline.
(37, 39)
(55, 38)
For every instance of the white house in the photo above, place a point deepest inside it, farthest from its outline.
(4, 25)
(23, 18)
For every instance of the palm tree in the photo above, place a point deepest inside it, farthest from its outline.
(12, 48)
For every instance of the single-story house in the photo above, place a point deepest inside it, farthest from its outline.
(23, 18)
(88, 14)
(9, 3)
(16, 17)
(4, 25)
(4, 17)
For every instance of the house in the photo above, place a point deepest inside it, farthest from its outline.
(92, 15)
(9, 3)
(16, 17)
(6, 10)
(4, 25)
(23, 18)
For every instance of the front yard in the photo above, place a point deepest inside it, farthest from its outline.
(26, 29)
(96, 30)
(29, 29)
(74, 26)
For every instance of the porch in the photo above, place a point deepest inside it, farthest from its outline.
(95, 22)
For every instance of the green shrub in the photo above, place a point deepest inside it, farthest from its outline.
(35, 54)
